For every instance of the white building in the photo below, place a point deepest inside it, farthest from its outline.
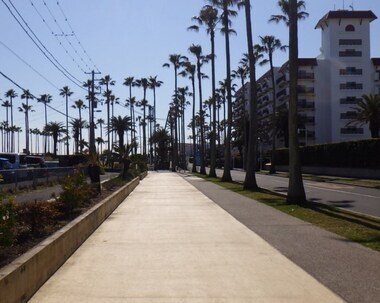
(331, 84)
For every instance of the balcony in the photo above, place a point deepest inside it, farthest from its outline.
(350, 100)
(281, 93)
(351, 131)
(305, 76)
(305, 90)
(348, 116)
(281, 79)
(303, 104)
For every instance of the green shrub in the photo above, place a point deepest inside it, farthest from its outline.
(141, 162)
(7, 223)
(76, 193)
(353, 154)
(35, 216)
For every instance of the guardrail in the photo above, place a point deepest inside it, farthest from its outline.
(16, 178)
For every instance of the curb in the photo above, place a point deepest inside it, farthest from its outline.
(25, 275)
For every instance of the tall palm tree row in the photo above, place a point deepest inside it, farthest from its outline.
(66, 93)
(45, 99)
(107, 82)
(209, 17)
(79, 104)
(227, 13)
(131, 101)
(176, 60)
(144, 84)
(11, 94)
(269, 45)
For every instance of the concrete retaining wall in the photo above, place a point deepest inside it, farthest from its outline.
(23, 277)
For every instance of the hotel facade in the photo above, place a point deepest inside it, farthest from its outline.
(330, 85)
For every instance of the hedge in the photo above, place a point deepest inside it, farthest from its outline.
(355, 154)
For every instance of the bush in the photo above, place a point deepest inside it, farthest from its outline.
(76, 193)
(7, 223)
(141, 162)
(34, 217)
(354, 154)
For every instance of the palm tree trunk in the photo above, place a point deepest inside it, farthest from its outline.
(201, 121)
(250, 176)
(274, 128)
(194, 168)
(296, 191)
(227, 154)
(212, 172)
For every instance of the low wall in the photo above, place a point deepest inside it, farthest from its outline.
(359, 173)
(23, 277)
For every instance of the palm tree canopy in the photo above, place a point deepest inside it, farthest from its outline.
(27, 95)
(129, 81)
(106, 80)
(45, 98)
(65, 92)
(368, 112)
(10, 94)
(284, 6)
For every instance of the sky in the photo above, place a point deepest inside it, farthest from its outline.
(123, 38)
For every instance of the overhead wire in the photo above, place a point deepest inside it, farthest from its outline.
(38, 99)
(29, 65)
(62, 69)
(76, 37)
(57, 38)
(64, 35)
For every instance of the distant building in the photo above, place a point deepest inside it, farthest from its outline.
(329, 85)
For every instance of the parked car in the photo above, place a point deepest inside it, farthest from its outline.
(6, 170)
(14, 159)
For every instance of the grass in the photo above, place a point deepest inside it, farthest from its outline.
(360, 229)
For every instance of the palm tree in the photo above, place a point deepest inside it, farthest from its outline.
(26, 108)
(144, 83)
(227, 13)
(285, 8)
(209, 17)
(100, 142)
(269, 45)
(368, 112)
(79, 104)
(189, 71)
(45, 99)
(120, 125)
(153, 84)
(131, 101)
(296, 191)
(196, 50)
(77, 125)
(182, 93)
(7, 105)
(66, 93)
(177, 61)
(55, 129)
(11, 94)
(107, 82)
(114, 100)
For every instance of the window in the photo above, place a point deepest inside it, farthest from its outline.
(351, 70)
(350, 53)
(350, 41)
(351, 131)
(350, 100)
(350, 28)
(351, 85)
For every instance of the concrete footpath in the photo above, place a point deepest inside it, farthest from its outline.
(168, 242)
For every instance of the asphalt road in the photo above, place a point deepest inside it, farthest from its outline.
(46, 193)
(349, 197)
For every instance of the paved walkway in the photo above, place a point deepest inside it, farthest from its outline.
(167, 242)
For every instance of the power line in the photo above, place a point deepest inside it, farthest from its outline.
(39, 47)
(30, 66)
(38, 99)
(76, 37)
(62, 34)
(58, 40)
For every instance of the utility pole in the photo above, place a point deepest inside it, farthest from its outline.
(92, 105)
